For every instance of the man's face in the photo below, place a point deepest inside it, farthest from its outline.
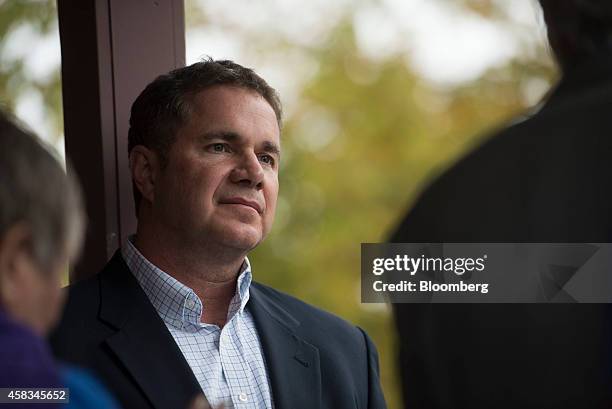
(221, 180)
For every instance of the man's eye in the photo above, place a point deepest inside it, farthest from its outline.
(267, 159)
(218, 147)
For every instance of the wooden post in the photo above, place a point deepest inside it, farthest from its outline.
(110, 50)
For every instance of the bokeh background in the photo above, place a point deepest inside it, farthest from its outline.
(380, 96)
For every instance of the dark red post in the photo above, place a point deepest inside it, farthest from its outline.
(110, 50)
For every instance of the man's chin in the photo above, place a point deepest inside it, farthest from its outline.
(243, 238)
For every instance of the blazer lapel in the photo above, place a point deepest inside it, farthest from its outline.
(293, 364)
(142, 343)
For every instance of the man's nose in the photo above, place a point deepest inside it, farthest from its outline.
(248, 171)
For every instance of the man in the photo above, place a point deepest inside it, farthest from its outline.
(41, 223)
(175, 311)
(545, 179)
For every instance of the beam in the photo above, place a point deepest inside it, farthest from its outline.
(110, 50)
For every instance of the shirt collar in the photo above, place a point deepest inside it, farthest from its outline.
(177, 304)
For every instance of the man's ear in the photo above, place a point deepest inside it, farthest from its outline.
(144, 165)
(15, 262)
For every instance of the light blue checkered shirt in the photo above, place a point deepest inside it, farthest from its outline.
(228, 363)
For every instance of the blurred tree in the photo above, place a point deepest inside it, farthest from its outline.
(22, 25)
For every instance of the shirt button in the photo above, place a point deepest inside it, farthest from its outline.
(190, 303)
(243, 397)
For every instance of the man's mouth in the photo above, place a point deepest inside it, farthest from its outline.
(244, 202)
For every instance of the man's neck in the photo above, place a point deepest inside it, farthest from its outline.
(210, 272)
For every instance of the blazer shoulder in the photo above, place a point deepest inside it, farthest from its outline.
(312, 320)
(81, 325)
(83, 300)
(84, 296)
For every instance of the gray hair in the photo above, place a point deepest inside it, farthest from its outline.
(35, 190)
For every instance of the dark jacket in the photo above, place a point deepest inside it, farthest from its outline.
(315, 360)
(544, 179)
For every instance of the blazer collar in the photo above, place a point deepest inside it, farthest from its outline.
(142, 343)
(293, 364)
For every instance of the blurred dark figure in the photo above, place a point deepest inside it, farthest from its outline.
(41, 222)
(545, 179)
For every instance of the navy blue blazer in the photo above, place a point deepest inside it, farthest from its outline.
(315, 359)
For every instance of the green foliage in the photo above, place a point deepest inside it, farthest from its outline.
(39, 16)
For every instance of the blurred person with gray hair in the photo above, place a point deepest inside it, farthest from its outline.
(41, 226)
(544, 179)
